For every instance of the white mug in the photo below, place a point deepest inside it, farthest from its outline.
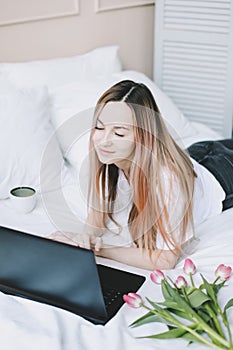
(23, 199)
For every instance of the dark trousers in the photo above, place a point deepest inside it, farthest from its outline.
(217, 157)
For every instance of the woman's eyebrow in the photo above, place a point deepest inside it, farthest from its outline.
(121, 127)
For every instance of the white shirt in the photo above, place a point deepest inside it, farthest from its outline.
(207, 202)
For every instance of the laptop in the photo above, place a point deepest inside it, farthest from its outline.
(62, 275)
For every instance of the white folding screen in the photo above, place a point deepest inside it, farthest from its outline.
(193, 59)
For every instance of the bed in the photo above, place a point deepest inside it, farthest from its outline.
(45, 118)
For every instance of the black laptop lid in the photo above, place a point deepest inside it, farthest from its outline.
(51, 272)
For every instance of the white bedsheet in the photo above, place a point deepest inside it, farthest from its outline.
(26, 325)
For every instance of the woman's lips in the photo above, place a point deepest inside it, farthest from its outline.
(105, 151)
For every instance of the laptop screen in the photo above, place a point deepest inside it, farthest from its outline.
(62, 275)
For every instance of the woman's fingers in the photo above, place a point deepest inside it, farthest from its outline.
(96, 243)
(82, 240)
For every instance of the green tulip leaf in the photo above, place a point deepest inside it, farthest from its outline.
(170, 327)
(157, 308)
(228, 305)
(148, 318)
(171, 334)
(191, 338)
(197, 298)
(164, 313)
(206, 317)
(182, 314)
(170, 304)
(201, 286)
(209, 289)
(189, 290)
(179, 300)
(217, 287)
(172, 307)
(189, 312)
(166, 290)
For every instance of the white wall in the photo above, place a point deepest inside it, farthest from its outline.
(32, 29)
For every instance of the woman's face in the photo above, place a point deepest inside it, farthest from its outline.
(113, 136)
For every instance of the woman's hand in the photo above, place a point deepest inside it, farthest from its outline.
(82, 240)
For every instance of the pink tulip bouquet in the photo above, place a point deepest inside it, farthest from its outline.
(190, 312)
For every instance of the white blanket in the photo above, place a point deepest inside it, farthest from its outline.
(26, 324)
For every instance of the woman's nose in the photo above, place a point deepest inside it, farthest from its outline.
(107, 137)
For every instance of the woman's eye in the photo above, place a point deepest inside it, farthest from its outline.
(120, 135)
(99, 128)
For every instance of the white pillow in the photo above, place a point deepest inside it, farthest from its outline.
(30, 154)
(100, 62)
(73, 107)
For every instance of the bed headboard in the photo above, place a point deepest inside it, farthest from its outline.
(34, 29)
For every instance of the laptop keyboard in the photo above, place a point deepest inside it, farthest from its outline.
(110, 296)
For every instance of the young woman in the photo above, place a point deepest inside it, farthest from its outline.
(143, 187)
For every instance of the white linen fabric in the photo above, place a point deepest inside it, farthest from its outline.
(30, 154)
(99, 62)
(49, 328)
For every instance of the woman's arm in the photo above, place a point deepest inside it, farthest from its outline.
(160, 259)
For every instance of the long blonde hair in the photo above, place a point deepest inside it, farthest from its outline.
(155, 150)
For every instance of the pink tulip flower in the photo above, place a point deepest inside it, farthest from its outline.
(189, 267)
(133, 299)
(181, 282)
(223, 272)
(157, 276)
